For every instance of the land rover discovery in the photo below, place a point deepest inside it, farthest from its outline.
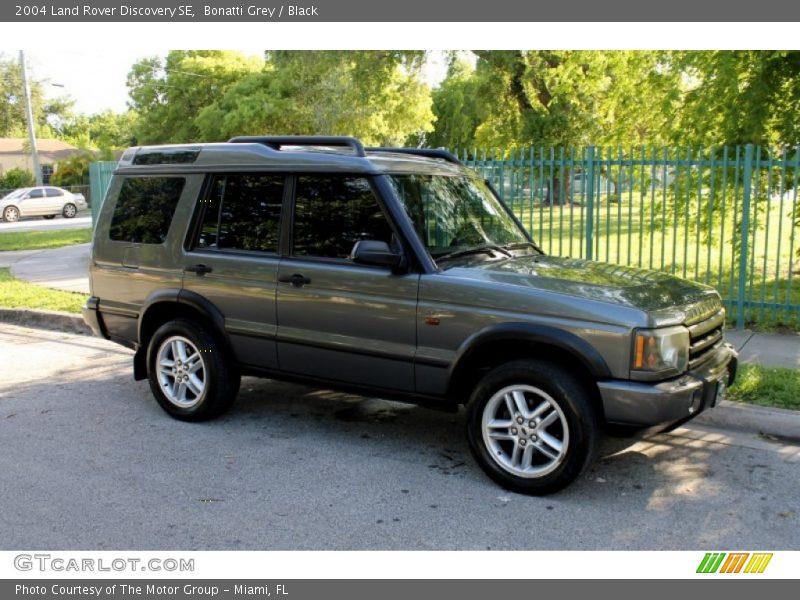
(397, 273)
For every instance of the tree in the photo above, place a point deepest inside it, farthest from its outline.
(105, 131)
(12, 104)
(377, 96)
(523, 98)
(169, 93)
(740, 97)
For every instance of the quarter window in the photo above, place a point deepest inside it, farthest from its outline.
(243, 212)
(144, 209)
(333, 213)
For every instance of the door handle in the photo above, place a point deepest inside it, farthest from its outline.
(199, 269)
(296, 280)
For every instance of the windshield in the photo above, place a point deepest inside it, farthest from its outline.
(15, 193)
(455, 213)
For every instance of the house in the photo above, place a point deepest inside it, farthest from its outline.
(15, 153)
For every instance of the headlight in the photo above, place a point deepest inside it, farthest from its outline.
(656, 350)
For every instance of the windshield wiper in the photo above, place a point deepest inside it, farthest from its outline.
(520, 245)
(484, 249)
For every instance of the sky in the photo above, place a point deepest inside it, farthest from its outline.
(96, 80)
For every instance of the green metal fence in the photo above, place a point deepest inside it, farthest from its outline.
(726, 217)
(99, 179)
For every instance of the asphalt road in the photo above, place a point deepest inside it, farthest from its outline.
(82, 221)
(89, 461)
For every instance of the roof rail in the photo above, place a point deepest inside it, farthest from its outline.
(427, 152)
(275, 142)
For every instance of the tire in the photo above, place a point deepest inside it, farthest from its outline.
(537, 460)
(11, 214)
(207, 390)
(69, 210)
(48, 217)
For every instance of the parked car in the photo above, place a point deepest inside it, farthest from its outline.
(41, 201)
(397, 273)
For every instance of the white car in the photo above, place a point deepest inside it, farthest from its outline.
(42, 201)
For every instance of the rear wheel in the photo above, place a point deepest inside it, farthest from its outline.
(190, 376)
(532, 427)
(70, 210)
(11, 214)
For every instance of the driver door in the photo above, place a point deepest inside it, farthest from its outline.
(33, 203)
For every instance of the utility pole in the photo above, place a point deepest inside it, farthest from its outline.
(26, 90)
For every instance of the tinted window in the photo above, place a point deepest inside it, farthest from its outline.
(144, 209)
(37, 193)
(55, 192)
(243, 213)
(333, 213)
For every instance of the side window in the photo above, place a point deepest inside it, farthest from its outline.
(36, 193)
(332, 213)
(52, 192)
(144, 209)
(243, 212)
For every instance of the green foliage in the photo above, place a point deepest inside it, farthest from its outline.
(106, 131)
(168, 94)
(41, 240)
(210, 96)
(21, 294)
(16, 178)
(572, 98)
(767, 386)
(74, 170)
(12, 103)
(739, 97)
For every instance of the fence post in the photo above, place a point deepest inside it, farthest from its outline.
(588, 182)
(747, 189)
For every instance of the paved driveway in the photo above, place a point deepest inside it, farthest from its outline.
(90, 461)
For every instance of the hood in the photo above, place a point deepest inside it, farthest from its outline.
(636, 288)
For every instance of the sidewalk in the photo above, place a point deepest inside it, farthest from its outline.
(62, 268)
(66, 269)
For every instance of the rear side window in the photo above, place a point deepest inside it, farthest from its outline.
(54, 192)
(332, 213)
(144, 209)
(243, 212)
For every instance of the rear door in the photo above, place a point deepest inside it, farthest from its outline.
(232, 259)
(55, 200)
(338, 320)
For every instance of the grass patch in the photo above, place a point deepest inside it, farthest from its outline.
(42, 240)
(21, 294)
(767, 386)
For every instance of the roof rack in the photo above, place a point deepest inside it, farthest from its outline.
(427, 152)
(275, 142)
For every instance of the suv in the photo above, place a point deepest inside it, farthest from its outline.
(393, 272)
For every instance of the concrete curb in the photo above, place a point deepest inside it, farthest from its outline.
(778, 422)
(728, 415)
(45, 319)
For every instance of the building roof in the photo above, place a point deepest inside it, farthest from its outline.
(55, 149)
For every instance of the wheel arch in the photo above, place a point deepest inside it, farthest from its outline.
(497, 344)
(165, 305)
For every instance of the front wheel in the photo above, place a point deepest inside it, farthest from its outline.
(70, 210)
(532, 427)
(191, 376)
(11, 214)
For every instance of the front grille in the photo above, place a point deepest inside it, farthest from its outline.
(705, 338)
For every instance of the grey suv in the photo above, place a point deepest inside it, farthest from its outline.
(397, 273)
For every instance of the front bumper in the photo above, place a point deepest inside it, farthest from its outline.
(672, 401)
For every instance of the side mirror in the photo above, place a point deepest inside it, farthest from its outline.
(371, 252)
